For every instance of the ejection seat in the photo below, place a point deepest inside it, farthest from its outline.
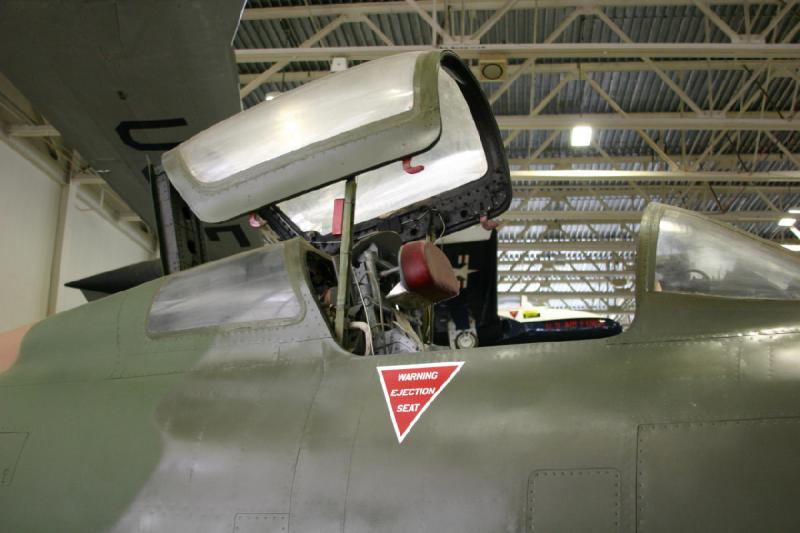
(425, 271)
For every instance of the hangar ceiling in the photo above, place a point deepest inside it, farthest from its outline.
(693, 103)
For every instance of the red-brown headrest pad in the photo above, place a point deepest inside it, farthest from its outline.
(426, 271)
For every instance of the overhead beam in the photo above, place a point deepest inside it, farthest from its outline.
(568, 246)
(542, 295)
(34, 155)
(536, 50)
(778, 18)
(655, 175)
(558, 189)
(431, 21)
(782, 69)
(643, 134)
(583, 274)
(587, 217)
(573, 246)
(724, 159)
(717, 20)
(32, 130)
(494, 19)
(276, 67)
(538, 109)
(129, 216)
(89, 179)
(388, 8)
(753, 121)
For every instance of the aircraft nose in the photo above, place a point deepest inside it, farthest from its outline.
(10, 344)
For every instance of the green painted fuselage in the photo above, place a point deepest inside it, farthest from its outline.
(688, 421)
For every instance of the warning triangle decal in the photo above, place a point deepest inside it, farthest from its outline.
(411, 389)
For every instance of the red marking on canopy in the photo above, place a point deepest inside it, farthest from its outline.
(256, 221)
(487, 224)
(412, 170)
(513, 313)
(338, 216)
(410, 389)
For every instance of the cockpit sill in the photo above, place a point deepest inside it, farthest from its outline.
(113, 321)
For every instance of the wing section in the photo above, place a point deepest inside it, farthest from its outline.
(124, 81)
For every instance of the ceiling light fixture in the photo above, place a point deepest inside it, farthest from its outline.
(787, 222)
(338, 64)
(581, 136)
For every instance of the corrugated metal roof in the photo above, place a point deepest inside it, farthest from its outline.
(634, 91)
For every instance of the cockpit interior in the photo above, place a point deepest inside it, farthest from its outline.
(370, 177)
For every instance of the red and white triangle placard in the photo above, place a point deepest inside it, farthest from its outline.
(411, 389)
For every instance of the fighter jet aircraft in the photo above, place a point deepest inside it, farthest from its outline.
(299, 386)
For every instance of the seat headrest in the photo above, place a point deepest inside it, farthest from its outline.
(426, 271)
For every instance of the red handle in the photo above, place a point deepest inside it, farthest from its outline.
(412, 170)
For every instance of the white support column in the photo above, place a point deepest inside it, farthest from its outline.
(66, 200)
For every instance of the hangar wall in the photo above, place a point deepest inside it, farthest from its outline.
(29, 214)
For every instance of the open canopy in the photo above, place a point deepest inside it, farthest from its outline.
(414, 128)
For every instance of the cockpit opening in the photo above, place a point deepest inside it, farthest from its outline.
(411, 297)
(392, 288)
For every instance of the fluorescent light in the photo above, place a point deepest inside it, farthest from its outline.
(794, 210)
(787, 222)
(792, 247)
(271, 96)
(581, 136)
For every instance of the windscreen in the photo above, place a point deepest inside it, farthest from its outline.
(701, 257)
(457, 158)
(250, 287)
